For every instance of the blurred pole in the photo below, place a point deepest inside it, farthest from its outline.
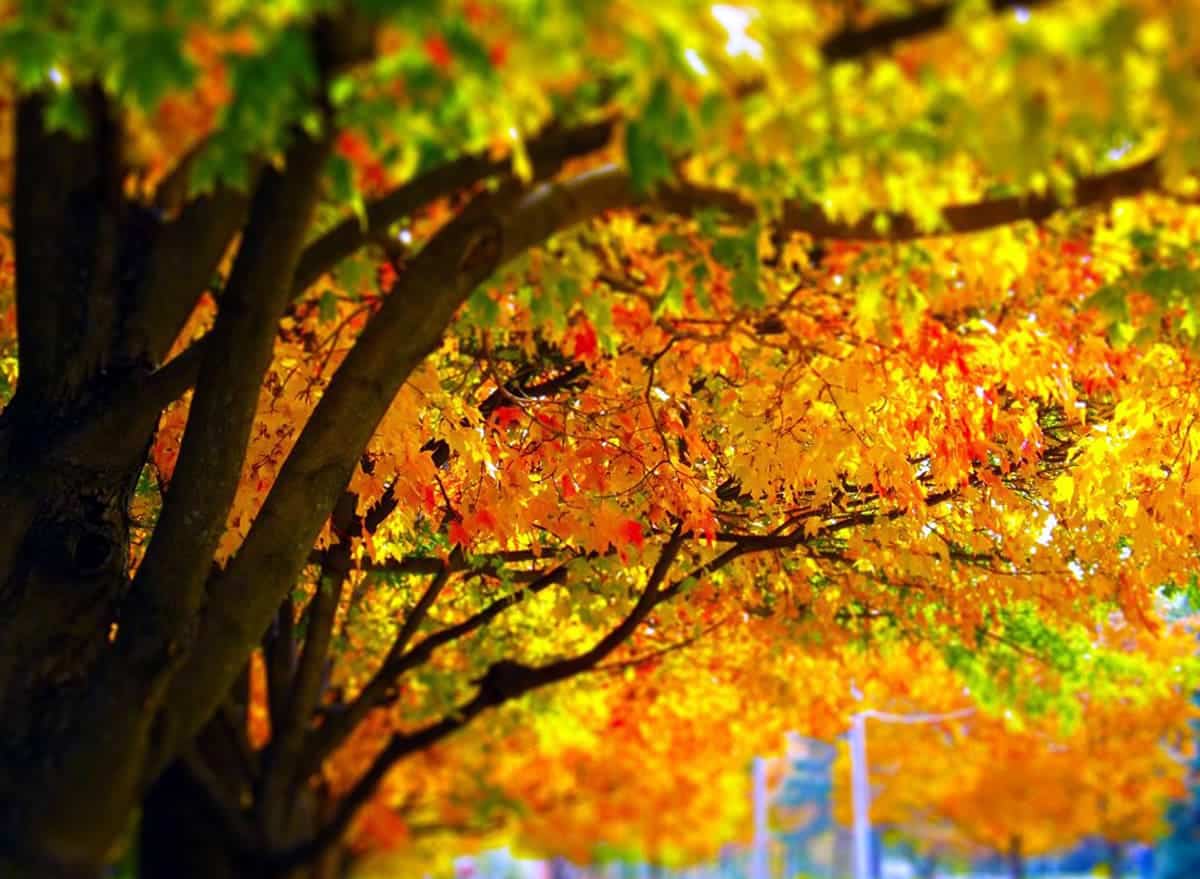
(860, 786)
(758, 854)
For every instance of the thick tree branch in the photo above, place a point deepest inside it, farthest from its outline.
(221, 800)
(183, 261)
(67, 212)
(856, 42)
(957, 219)
(169, 382)
(292, 719)
(488, 234)
(546, 152)
(279, 648)
(292, 715)
(169, 583)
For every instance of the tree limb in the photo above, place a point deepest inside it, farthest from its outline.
(183, 261)
(502, 682)
(489, 233)
(852, 43)
(547, 152)
(379, 689)
(278, 656)
(169, 584)
(801, 216)
(687, 199)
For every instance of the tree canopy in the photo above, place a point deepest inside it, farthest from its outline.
(369, 367)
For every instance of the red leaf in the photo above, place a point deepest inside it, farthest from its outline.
(484, 518)
(584, 338)
(630, 531)
(438, 51)
(506, 416)
(387, 276)
(352, 147)
(429, 500)
(568, 487)
(457, 533)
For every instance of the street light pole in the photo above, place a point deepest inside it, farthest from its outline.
(860, 775)
(758, 853)
(860, 786)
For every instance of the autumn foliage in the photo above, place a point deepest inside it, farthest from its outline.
(369, 368)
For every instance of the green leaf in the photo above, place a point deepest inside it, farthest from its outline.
(746, 289)
(153, 64)
(1111, 301)
(648, 160)
(31, 51)
(482, 309)
(671, 300)
(327, 307)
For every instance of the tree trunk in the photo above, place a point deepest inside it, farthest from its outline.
(1016, 859)
(67, 555)
(181, 837)
(76, 731)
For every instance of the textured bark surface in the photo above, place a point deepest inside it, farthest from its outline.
(64, 542)
(63, 579)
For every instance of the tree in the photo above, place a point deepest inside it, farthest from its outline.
(1016, 785)
(439, 352)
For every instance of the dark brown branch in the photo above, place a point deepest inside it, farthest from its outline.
(170, 581)
(503, 681)
(183, 261)
(279, 653)
(220, 799)
(291, 723)
(957, 219)
(881, 36)
(547, 152)
(381, 687)
(515, 390)
(416, 616)
(466, 251)
(175, 377)
(322, 612)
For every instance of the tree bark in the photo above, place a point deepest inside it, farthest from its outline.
(181, 837)
(1016, 859)
(64, 555)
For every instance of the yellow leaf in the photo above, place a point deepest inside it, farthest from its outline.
(1064, 488)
